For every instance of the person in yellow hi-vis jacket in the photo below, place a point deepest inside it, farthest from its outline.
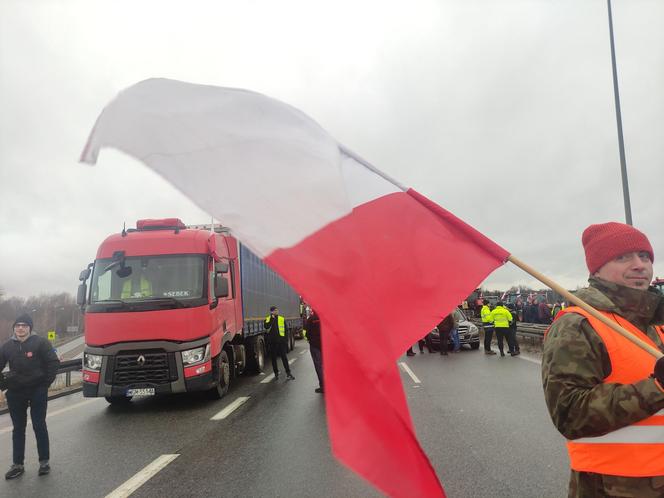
(487, 325)
(140, 287)
(277, 341)
(502, 318)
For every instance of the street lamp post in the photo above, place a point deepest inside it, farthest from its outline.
(621, 144)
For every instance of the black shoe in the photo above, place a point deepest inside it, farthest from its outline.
(14, 471)
(502, 354)
(489, 352)
(289, 377)
(516, 353)
(422, 351)
(44, 468)
(410, 353)
(276, 376)
(319, 390)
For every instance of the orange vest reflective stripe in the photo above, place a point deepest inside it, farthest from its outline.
(636, 450)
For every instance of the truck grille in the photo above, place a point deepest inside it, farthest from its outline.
(152, 368)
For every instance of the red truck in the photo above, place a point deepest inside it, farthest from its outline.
(173, 309)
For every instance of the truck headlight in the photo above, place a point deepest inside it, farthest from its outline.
(92, 361)
(196, 355)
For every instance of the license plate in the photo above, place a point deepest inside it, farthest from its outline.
(142, 391)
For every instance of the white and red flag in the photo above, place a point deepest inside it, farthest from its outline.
(381, 264)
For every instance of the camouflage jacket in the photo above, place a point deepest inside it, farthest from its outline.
(575, 363)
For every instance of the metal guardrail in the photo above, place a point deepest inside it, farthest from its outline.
(69, 366)
(534, 330)
(66, 367)
(530, 330)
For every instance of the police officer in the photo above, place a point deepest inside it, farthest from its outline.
(602, 390)
(487, 325)
(33, 366)
(502, 320)
(277, 341)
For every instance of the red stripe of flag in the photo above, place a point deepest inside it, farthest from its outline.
(381, 278)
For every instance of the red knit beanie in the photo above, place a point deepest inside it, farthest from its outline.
(606, 241)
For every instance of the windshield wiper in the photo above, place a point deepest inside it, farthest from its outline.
(111, 265)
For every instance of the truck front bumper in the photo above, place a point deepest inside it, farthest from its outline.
(135, 365)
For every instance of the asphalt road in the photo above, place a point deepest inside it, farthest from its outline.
(481, 420)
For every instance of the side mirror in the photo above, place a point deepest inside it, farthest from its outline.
(84, 275)
(80, 295)
(221, 267)
(221, 287)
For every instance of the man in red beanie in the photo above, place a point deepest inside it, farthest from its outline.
(605, 394)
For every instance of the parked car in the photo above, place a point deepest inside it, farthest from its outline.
(469, 334)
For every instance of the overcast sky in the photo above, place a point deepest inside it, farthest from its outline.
(500, 111)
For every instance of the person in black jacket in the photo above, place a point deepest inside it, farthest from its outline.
(312, 327)
(33, 366)
(277, 341)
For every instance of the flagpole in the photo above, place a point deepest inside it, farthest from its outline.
(585, 306)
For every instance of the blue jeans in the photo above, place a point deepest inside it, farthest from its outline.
(18, 402)
(455, 339)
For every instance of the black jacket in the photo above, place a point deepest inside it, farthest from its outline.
(312, 326)
(32, 363)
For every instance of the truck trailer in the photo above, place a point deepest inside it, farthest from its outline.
(172, 308)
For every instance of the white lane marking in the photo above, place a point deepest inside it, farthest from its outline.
(303, 352)
(267, 379)
(142, 477)
(410, 372)
(230, 408)
(56, 412)
(271, 376)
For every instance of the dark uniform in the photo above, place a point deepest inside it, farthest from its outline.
(312, 327)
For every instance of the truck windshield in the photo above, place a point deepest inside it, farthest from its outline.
(147, 282)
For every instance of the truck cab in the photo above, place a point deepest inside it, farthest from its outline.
(163, 312)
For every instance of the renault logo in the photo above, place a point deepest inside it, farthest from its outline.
(140, 360)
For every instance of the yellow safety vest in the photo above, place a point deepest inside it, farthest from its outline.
(485, 313)
(501, 317)
(281, 324)
(146, 288)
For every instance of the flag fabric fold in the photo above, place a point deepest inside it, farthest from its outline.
(381, 264)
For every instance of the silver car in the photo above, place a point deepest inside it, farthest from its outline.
(468, 333)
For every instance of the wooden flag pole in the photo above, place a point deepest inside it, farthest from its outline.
(582, 304)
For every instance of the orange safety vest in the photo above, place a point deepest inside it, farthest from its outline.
(636, 450)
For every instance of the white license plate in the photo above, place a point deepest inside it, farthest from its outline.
(143, 391)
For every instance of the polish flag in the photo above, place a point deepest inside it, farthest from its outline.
(380, 263)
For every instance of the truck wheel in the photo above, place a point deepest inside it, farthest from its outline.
(118, 400)
(223, 376)
(256, 355)
(291, 341)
